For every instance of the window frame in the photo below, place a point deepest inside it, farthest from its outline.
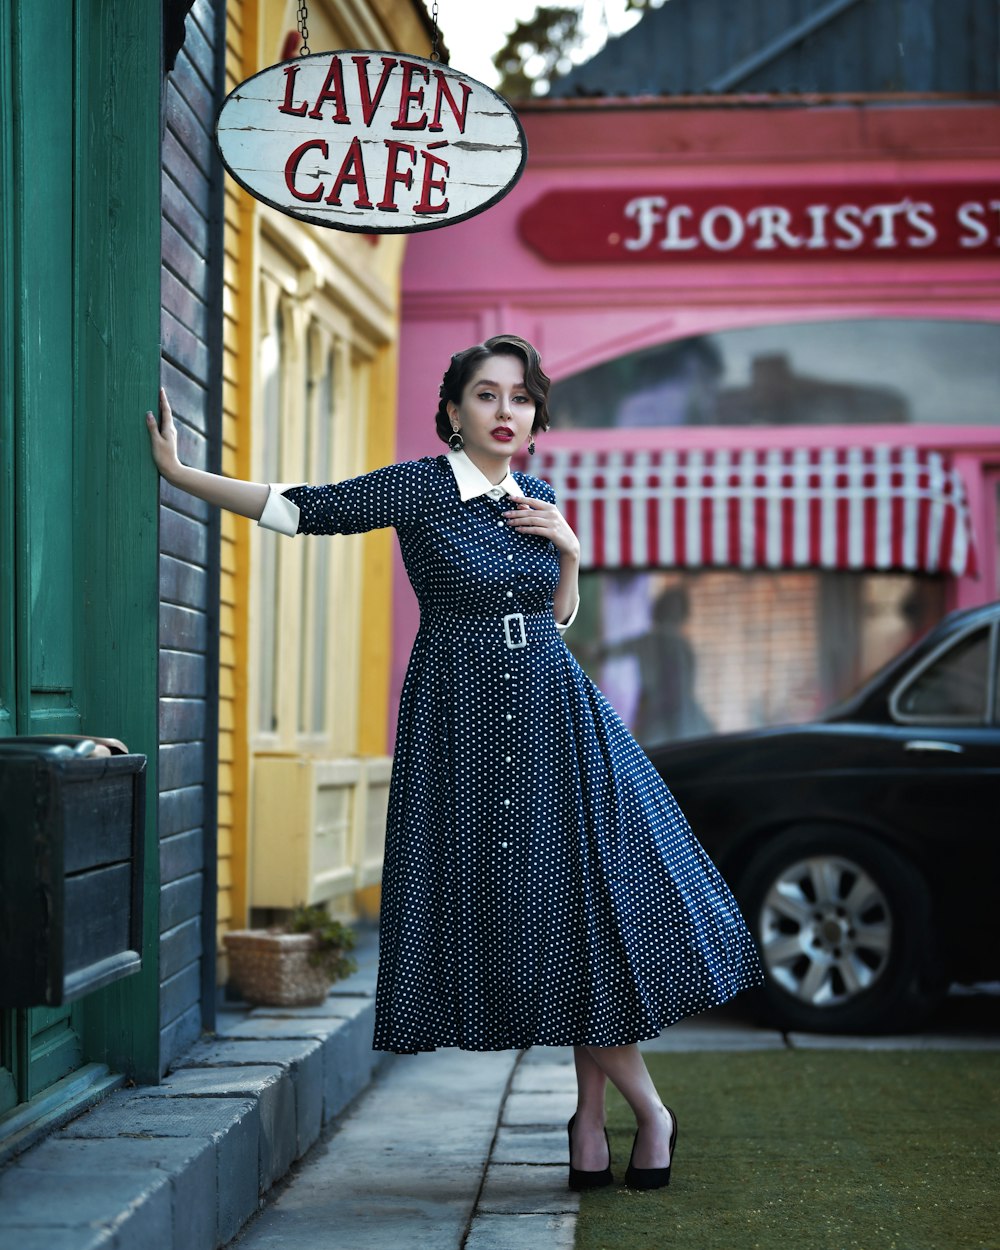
(313, 319)
(271, 315)
(989, 713)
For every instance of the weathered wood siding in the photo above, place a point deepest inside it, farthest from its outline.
(191, 318)
(795, 46)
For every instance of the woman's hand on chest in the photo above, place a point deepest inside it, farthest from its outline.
(543, 520)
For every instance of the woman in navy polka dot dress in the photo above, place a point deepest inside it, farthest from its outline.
(541, 885)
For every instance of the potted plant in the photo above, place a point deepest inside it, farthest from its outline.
(294, 964)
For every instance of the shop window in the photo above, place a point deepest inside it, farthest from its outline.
(680, 654)
(861, 372)
(953, 687)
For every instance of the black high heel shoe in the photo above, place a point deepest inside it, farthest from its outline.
(651, 1178)
(578, 1178)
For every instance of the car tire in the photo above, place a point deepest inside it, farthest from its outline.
(843, 924)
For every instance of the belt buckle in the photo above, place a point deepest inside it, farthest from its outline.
(519, 618)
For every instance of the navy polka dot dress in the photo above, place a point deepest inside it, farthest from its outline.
(541, 886)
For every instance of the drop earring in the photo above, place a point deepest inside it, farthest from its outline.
(531, 446)
(456, 442)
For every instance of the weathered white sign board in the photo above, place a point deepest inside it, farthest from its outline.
(375, 142)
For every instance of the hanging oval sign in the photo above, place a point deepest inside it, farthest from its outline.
(374, 142)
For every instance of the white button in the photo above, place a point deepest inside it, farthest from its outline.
(506, 759)
(510, 594)
(506, 676)
(506, 802)
(501, 524)
(510, 557)
(503, 845)
(509, 717)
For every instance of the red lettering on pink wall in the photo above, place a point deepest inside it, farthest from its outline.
(907, 220)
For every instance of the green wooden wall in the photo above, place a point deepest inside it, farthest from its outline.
(79, 364)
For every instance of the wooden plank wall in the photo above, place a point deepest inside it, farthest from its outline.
(191, 336)
(877, 46)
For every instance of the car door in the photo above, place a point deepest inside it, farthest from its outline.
(945, 787)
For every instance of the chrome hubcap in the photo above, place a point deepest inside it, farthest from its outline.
(826, 930)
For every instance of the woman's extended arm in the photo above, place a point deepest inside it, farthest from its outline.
(245, 498)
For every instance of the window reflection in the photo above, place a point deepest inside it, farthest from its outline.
(954, 686)
(686, 653)
(813, 373)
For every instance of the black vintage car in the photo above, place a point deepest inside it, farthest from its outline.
(865, 848)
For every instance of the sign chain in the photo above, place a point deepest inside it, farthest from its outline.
(435, 33)
(302, 17)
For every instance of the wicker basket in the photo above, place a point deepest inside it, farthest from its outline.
(274, 969)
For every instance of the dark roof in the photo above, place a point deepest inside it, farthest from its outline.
(798, 47)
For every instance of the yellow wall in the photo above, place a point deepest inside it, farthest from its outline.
(336, 296)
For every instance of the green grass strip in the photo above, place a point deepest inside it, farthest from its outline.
(814, 1150)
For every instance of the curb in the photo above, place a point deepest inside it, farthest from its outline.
(184, 1164)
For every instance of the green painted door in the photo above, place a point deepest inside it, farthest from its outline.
(79, 353)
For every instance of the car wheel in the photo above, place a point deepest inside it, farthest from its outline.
(843, 926)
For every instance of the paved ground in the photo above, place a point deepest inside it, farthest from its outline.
(459, 1151)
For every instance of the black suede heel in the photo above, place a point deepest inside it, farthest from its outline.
(579, 1179)
(651, 1178)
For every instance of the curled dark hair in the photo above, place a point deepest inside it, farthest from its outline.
(464, 363)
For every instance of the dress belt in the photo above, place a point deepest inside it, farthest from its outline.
(513, 630)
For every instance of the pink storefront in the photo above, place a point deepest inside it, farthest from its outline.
(774, 333)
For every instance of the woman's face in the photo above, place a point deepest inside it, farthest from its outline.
(496, 413)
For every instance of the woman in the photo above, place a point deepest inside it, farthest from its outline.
(541, 886)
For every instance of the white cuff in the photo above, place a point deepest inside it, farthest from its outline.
(562, 626)
(280, 514)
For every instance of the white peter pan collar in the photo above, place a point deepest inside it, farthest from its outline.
(473, 482)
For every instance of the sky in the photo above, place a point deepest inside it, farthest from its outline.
(475, 29)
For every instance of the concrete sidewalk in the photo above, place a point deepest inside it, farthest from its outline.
(459, 1151)
(448, 1151)
(184, 1164)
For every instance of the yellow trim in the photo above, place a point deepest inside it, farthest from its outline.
(344, 290)
(375, 658)
(238, 288)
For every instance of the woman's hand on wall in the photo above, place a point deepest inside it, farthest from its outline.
(244, 498)
(163, 439)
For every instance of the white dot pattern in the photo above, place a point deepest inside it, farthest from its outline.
(541, 885)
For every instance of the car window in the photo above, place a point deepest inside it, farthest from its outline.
(954, 687)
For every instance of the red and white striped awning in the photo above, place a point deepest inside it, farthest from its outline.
(831, 508)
